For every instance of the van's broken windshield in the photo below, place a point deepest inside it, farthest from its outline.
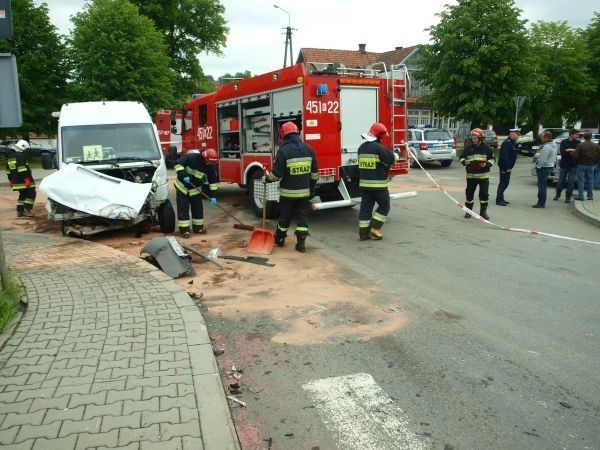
(104, 143)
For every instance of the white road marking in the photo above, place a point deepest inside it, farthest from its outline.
(361, 415)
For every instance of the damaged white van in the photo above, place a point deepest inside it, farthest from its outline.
(111, 170)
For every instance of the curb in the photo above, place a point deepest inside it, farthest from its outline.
(581, 212)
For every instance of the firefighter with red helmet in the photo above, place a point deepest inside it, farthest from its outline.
(295, 167)
(374, 162)
(194, 170)
(20, 178)
(477, 157)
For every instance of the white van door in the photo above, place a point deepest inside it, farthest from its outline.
(358, 111)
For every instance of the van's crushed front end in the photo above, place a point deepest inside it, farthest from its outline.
(112, 173)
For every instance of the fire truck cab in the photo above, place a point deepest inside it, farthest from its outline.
(331, 106)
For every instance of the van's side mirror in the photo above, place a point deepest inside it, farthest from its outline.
(48, 162)
(172, 153)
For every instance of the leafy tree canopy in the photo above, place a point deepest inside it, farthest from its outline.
(190, 27)
(560, 77)
(478, 60)
(42, 72)
(229, 78)
(592, 38)
(117, 54)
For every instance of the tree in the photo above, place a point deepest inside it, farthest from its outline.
(228, 78)
(477, 62)
(117, 54)
(560, 76)
(190, 27)
(41, 67)
(592, 37)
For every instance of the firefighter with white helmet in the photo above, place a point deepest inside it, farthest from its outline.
(296, 167)
(20, 178)
(374, 162)
(477, 157)
(194, 170)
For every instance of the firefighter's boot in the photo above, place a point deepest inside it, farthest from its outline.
(280, 238)
(27, 212)
(363, 234)
(376, 233)
(20, 209)
(483, 211)
(300, 240)
(470, 206)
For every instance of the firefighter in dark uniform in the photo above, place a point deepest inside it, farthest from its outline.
(20, 178)
(477, 157)
(374, 162)
(296, 167)
(194, 170)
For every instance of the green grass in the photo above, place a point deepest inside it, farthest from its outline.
(9, 300)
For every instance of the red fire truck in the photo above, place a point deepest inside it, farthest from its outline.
(331, 105)
(168, 124)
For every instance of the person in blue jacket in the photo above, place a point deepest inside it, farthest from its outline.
(506, 161)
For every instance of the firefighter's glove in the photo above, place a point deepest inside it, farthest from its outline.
(187, 181)
(482, 165)
(27, 182)
(213, 201)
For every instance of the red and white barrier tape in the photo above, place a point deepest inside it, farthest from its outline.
(477, 216)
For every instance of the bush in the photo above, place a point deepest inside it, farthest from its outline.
(9, 301)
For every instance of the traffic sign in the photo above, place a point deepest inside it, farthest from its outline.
(519, 100)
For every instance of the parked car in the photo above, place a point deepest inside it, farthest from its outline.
(525, 145)
(38, 150)
(431, 144)
(490, 138)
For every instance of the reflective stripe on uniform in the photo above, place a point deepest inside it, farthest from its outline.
(197, 221)
(184, 223)
(294, 193)
(379, 217)
(299, 166)
(280, 228)
(479, 176)
(302, 229)
(195, 173)
(29, 201)
(373, 183)
(364, 223)
(213, 187)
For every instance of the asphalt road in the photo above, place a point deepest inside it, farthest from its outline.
(501, 350)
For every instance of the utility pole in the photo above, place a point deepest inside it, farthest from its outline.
(288, 39)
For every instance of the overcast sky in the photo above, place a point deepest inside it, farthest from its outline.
(256, 40)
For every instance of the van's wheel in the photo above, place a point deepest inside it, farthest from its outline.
(256, 198)
(166, 217)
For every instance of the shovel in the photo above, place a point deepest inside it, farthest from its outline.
(239, 225)
(262, 240)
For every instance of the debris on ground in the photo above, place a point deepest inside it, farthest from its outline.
(218, 351)
(236, 400)
(169, 256)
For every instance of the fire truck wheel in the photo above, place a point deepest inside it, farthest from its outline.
(166, 217)
(256, 199)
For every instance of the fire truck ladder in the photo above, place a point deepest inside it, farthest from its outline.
(399, 80)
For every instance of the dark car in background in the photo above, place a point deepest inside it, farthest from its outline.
(490, 138)
(36, 150)
(528, 147)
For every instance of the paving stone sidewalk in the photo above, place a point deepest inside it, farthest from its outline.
(111, 353)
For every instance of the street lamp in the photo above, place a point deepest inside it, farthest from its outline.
(288, 38)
